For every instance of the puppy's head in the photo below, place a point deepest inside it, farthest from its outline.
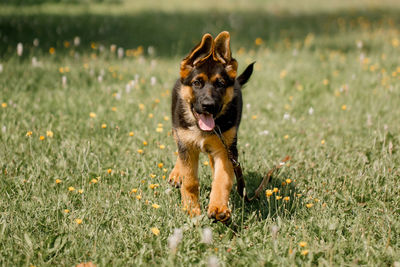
(208, 75)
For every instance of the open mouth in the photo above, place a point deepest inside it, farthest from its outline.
(205, 121)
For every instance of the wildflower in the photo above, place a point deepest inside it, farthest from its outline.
(151, 115)
(311, 111)
(323, 142)
(283, 74)
(268, 193)
(166, 118)
(20, 49)
(58, 181)
(254, 117)
(104, 126)
(278, 197)
(213, 261)
(165, 170)
(304, 252)
(152, 175)
(162, 146)
(49, 134)
(344, 107)
(159, 130)
(29, 133)
(71, 188)
(80, 191)
(175, 239)
(325, 81)
(3, 105)
(94, 181)
(309, 205)
(66, 44)
(134, 191)
(205, 163)
(286, 136)
(258, 41)
(92, 115)
(131, 133)
(395, 42)
(207, 236)
(41, 138)
(140, 151)
(141, 106)
(114, 109)
(52, 50)
(160, 165)
(156, 206)
(155, 231)
(109, 171)
(288, 181)
(275, 190)
(274, 231)
(78, 221)
(66, 210)
(303, 244)
(138, 197)
(286, 199)
(77, 40)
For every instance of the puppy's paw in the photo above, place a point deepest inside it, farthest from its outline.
(175, 179)
(219, 213)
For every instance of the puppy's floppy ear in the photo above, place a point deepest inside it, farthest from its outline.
(245, 76)
(200, 53)
(222, 53)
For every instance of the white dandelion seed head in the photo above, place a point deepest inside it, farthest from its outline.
(311, 111)
(274, 231)
(248, 106)
(265, 132)
(212, 261)
(168, 191)
(34, 62)
(1, 68)
(151, 51)
(175, 239)
(206, 236)
(36, 42)
(120, 52)
(20, 49)
(3, 128)
(118, 96)
(64, 80)
(77, 40)
(359, 44)
(286, 116)
(128, 88)
(100, 78)
(153, 81)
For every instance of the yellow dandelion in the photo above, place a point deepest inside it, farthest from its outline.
(61, 70)
(299, 195)
(258, 41)
(145, 143)
(165, 170)
(114, 109)
(94, 181)
(155, 231)
(159, 130)
(80, 191)
(283, 183)
(131, 133)
(52, 50)
(309, 205)
(304, 252)
(141, 106)
(3, 105)
(325, 81)
(138, 197)
(66, 44)
(155, 206)
(205, 163)
(109, 171)
(268, 193)
(66, 210)
(288, 181)
(29, 133)
(151, 115)
(160, 165)
(71, 188)
(275, 190)
(344, 107)
(286, 136)
(41, 138)
(299, 87)
(286, 199)
(49, 134)
(104, 126)
(140, 151)
(395, 42)
(78, 221)
(163, 177)
(283, 74)
(166, 118)
(152, 175)
(278, 197)
(58, 181)
(92, 115)
(254, 117)
(157, 100)
(134, 191)
(303, 244)
(323, 142)
(316, 200)
(162, 146)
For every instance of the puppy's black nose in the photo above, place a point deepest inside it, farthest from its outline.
(208, 106)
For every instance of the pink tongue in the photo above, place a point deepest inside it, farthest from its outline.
(206, 122)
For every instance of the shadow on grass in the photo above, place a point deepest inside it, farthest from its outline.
(174, 34)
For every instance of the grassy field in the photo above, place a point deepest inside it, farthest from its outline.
(86, 134)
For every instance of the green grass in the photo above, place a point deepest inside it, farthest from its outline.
(333, 69)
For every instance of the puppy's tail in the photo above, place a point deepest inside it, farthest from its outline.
(245, 76)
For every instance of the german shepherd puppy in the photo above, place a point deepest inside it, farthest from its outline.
(207, 98)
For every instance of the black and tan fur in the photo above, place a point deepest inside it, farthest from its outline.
(208, 84)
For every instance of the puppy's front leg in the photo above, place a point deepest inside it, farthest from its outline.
(185, 172)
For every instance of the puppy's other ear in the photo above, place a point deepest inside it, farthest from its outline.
(245, 76)
(222, 53)
(198, 54)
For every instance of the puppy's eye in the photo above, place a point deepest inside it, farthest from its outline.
(220, 83)
(196, 84)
